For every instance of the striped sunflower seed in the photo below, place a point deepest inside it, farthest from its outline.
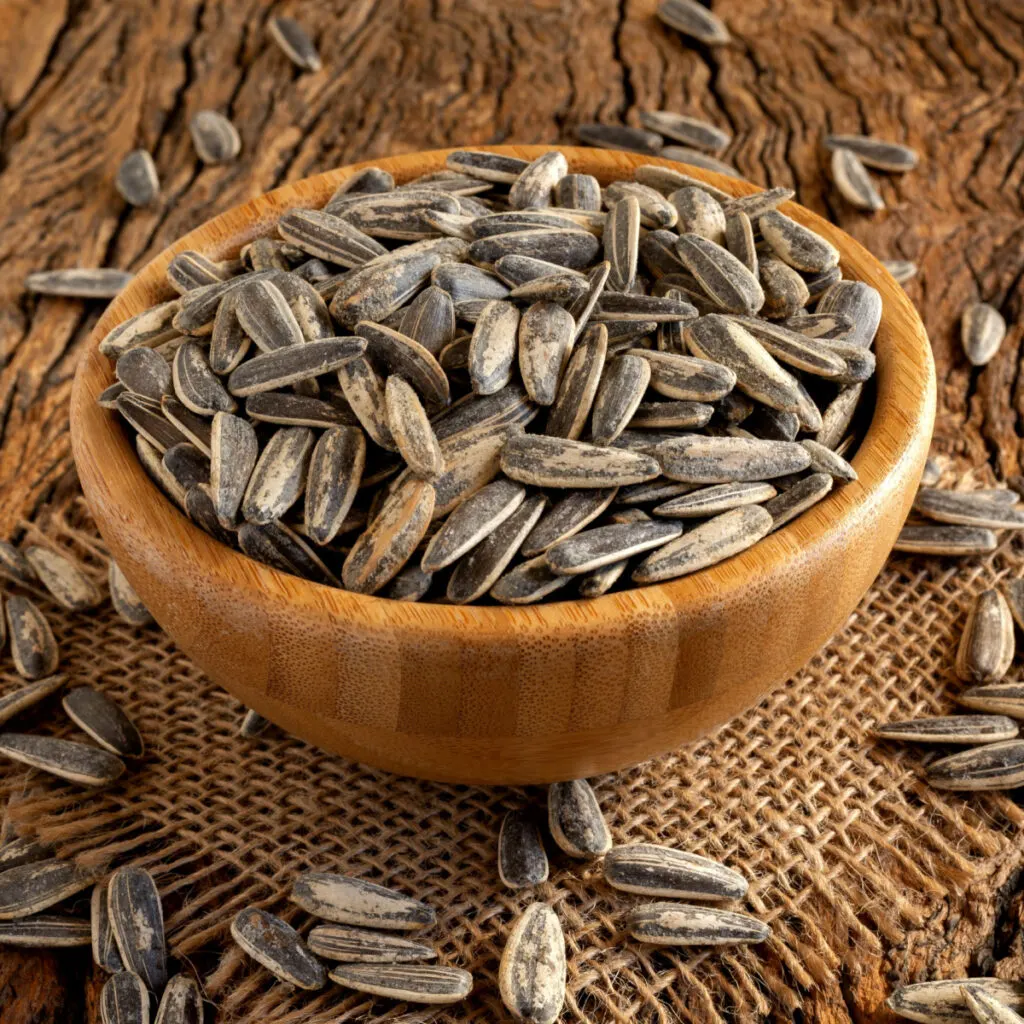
(293, 40)
(739, 239)
(471, 522)
(622, 243)
(335, 471)
(826, 326)
(987, 644)
(558, 462)
(105, 953)
(228, 341)
(410, 584)
(901, 270)
(46, 932)
(692, 131)
(967, 508)
(532, 974)
(430, 319)
(986, 1009)
(144, 372)
(807, 354)
(966, 730)
(412, 983)
(66, 759)
(124, 1000)
(687, 378)
(885, 156)
(528, 582)
(279, 476)
(982, 330)
(564, 247)
(838, 415)
(692, 19)
(533, 186)
(945, 540)
(400, 214)
(713, 541)
(200, 509)
(721, 460)
(253, 725)
(798, 498)
(463, 282)
(565, 287)
(581, 309)
(697, 158)
(233, 453)
(14, 565)
(617, 306)
(195, 384)
(328, 237)
(276, 545)
(352, 901)
(797, 246)
(19, 851)
(280, 367)
(137, 179)
(709, 501)
(101, 719)
(478, 571)
(187, 464)
(358, 945)
(149, 328)
(619, 394)
(487, 166)
(411, 430)
(290, 410)
(32, 888)
(33, 647)
(364, 391)
(566, 518)
(652, 870)
(278, 947)
(215, 138)
(368, 180)
(191, 269)
(598, 583)
(992, 766)
(492, 349)
(785, 291)
(23, 697)
(137, 923)
(575, 820)
(407, 358)
(594, 549)
(265, 316)
(669, 415)
(676, 924)
(824, 460)
(854, 182)
(616, 136)
(758, 203)
(936, 1002)
(78, 283)
(546, 333)
(727, 281)
(656, 212)
(860, 302)
(699, 214)
(772, 425)
(578, 192)
(181, 1003)
(522, 861)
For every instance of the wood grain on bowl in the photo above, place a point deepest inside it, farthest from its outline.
(494, 694)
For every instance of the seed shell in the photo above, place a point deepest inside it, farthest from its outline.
(124, 1000)
(578, 386)
(253, 725)
(609, 136)
(14, 565)
(982, 330)
(98, 716)
(992, 766)
(936, 1002)
(854, 182)
(796, 245)
(824, 460)
(293, 40)
(492, 349)
(559, 462)
(692, 19)
(215, 138)
(430, 319)
(78, 283)
(798, 498)
(33, 647)
(901, 270)
(403, 356)
(23, 697)
(687, 155)
(278, 947)
(522, 861)
(987, 1010)
(692, 131)
(182, 1002)
(709, 501)
(335, 471)
(137, 179)
(858, 301)
(652, 870)
(144, 372)
(687, 378)
(528, 582)
(233, 453)
(718, 460)
(148, 328)
(532, 188)
(32, 888)
(622, 243)
(105, 953)
(352, 901)
(137, 923)
(414, 983)
(620, 393)
(885, 156)
(358, 945)
(566, 518)
(21, 850)
(276, 545)
(196, 385)
(546, 334)
(987, 643)
(676, 924)
(264, 314)
(945, 540)
(578, 192)
(594, 549)
(321, 234)
(575, 820)
(967, 730)
(532, 974)
(45, 932)
(279, 476)
(411, 430)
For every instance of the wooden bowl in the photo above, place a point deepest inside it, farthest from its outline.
(495, 694)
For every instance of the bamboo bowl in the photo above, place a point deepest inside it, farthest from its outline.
(495, 694)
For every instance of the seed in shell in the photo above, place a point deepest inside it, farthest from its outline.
(137, 922)
(327, 237)
(181, 1003)
(987, 643)
(708, 501)
(988, 1010)
(982, 330)
(22, 850)
(492, 349)
(278, 947)
(854, 182)
(619, 394)
(124, 999)
(78, 283)
(410, 427)
(14, 565)
(265, 316)
(566, 518)
(692, 19)
(126, 602)
(233, 453)
(67, 759)
(578, 386)
(45, 932)
(785, 291)
(578, 192)
(279, 476)
(622, 243)
(603, 545)
(991, 766)
(144, 372)
(253, 725)
(963, 730)
(215, 138)
(430, 319)
(532, 973)
(197, 387)
(798, 498)
(533, 186)
(719, 460)
(105, 953)
(360, 945)
(278, 546)
(522, 861)
(936, 1002)
(332, 481)
(877, 153)
(901, 270)
(33, 647)
(137, 179)
(698, 158)
(528, 582)
(860, 302)
(352, 901)
(31, 888)
(796, 245)
(824, 460)
(700, 216)
(293, 40)
(967, 508)
(412, 983)
(546, 332)
(575, 820)
(652, 870)
(617, 136)
(676, 924)
(23, 697)
(96, 714)
(558, 462)
(691, 131)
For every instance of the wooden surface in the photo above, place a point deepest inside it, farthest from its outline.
(500, 695)
(80, 83)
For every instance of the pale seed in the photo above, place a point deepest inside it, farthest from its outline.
(532, 974)
(982, 330)
(653, 870)
(824, 460)
(709, 501)
(528, 582)
(534, 184)
(279, 476)
(78, 283)
(854, 182)
(233, 453)
(594, 549)
(858, 301)
(715, 460)
(676, 924)
(987, 1010)
(492, 348)
(938, 1002)
(137, 179)
(292, 38)
(987, 643)
(886, 156)
(195, 384)
(796, 245)
(215, 138)
(692, 131)
(967, 508)
(558, 462)
(411, 430)
(546, 334)
(148, 328)
(352, 901)
(413, 983)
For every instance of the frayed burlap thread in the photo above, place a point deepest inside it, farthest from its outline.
(863, 871)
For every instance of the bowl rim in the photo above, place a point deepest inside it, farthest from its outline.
(904, 405)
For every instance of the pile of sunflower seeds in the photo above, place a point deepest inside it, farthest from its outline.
(442, 391)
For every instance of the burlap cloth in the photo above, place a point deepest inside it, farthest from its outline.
(866, 875)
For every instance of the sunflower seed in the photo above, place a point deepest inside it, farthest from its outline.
(566, 518)
(836, 419)
(757, 204)
(364, 391)
(328, 237)
(292, 38)
(658, 491)
(533, 186)
(982, 330)
(710, 501)
(143, 372)
(987, 643)
(729, 283)
(215, 138)
(739, 239)
(278, 947)
(493, 347)
(968, 509)
(430, 319)
(796, 350)
(824, 460)
(936, 1002)
(137, 180)
(200, 509)
(45, 932)
(99, 717)
(471, 522)
(532, 974)
(798, 498)
(622, 242)
(407, 358)
(824, 326)
(233, 453)
(389, 541)
(720, 460)
(456, 225)
(785, 291)
(33, 647)
(564, 247)
(676, 415)
(253, 724)
(582, 308)
(527, 583)
(148, 328)
(281, 548)
(992, 766)
(861, 303)
(699, 214)
(64, 579)
(692, 19)
(24, 697)
(598, 583)
(14, 565)
(279, 476)
(263, 313)
(687, 378)
(686, 155)
(66, 759)
(886, 156)
(945, 540)
(522, 861)
(19, 851)
(545, 337)
(195, 384)
(959, 729)
(692, 131)
(901, 270)
(280, 367)
(191, 269)
(609, 136)
(182, 1003)
(104, 946)
(137, 924)
(620, 392)
(124, 1000)
(594, 549)
(187, 465)
(676, 924)
(986, 1009)
(265, 254)
(565, 287)
(411, 430)
(290, 410)
(479, 570)
(661, 309)
(558, 462)
(578, 192)
(352, 901)
(508, 221)
(412, 983)
(516, 271)
(356, 945)
(399, 214)
(854, 182)
(575, 819)
(78, 283)
(228, 342)
(797, 246)
(652, 870)
(31, 888)
(335, 470)
(488, 166)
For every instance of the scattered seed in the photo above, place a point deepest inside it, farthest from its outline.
(28, 696)
(982, 330)
(967, 508)
(575, 820)
(964, 730)
(854, 182)
(78, 283)
(987, 643)
(182, 1002)
(137, 179)
(33, 647)
(885, 156)
(676, 924)
(352, 901)
(105, 953)
(692, 131)
(278, 947)
(532, 974)
(522, 861)
(137, 923)
(987, 1010)
(652, 870)
(357, 945)
(124, 1000)
(99, 717)
(692, 19)
(32, 888)
(215, 138)
(45, 932)
(413, 983)
(292, 38)
(618, 136)
(992, 766)
(901, 270)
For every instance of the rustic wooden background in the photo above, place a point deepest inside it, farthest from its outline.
(83, 81)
